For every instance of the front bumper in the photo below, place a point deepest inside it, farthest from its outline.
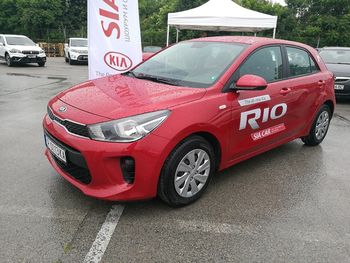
(79, 57)
(97, 165)
(345, 92)
(19, 58)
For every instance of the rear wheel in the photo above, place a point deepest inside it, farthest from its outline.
(186, 172)
(8, 60)
(319, 128)
(41, 64)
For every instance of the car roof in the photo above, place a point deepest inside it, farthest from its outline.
(248, 40)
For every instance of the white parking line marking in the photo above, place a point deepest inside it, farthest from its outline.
(281, 230)
(103, 237)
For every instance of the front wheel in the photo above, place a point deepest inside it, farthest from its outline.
(186, 172)
(8, 60)
(41, 64)
(71, 62)
(319, 128)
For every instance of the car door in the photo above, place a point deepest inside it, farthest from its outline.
(261, 118)
(306, 82)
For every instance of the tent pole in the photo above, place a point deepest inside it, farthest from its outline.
(274, 33)
(177, 35)
(167, 37)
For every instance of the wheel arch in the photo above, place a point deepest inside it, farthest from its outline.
(214, 142)
(331, 105)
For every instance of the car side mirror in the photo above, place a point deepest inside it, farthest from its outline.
(250, 82)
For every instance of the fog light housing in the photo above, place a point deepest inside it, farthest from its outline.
(127, 165)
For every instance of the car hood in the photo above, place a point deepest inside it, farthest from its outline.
(21, 48)
(80, 48)
(339, 70)
(119, 96)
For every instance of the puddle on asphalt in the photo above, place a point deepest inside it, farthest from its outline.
(346, 120)
(37, 77)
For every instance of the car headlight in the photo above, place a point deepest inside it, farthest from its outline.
(41, 51)
(74, 51)
(15, 51)
(129, 129)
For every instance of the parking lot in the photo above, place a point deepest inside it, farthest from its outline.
(290, 204)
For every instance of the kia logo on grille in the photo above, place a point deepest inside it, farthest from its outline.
(62, 109)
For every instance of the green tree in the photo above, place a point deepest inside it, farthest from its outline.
(39, 18)
(322, 22)
(9, 17)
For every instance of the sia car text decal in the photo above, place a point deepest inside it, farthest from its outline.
(268, 132)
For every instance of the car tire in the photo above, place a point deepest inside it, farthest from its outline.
(8, 60)
(41, 64)
(191, 164)
(319, 127)
(66, 59)
(71, 62)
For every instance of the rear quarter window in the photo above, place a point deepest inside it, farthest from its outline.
(300, 62)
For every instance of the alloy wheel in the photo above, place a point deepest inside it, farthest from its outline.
(192, 173)
(322, 125)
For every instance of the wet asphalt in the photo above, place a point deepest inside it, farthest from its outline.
(291, 204)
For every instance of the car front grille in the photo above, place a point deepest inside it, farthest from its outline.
(76, 166)
(72, 127)
(341, 80)
(78, 173)
(30, 52)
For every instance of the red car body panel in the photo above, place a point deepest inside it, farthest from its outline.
(117, 93)
(214, 114)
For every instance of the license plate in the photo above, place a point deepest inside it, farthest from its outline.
(31, 56)
(338, 87)
(56, 150)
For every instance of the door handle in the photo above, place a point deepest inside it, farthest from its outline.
(285, 91)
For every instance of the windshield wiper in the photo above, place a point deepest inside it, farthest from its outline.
(343, 63)
(130, 74)
(154, 78)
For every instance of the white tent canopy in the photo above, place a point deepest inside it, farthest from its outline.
(221, 15)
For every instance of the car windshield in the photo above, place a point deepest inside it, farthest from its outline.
(151, 49)
(79, 43)
(335, 56)
(19, 41)
(193, 64)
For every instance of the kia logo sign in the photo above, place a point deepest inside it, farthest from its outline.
(118, 61)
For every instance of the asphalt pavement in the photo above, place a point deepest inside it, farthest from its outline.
(291, 204)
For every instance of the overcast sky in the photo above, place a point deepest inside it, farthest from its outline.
(282, 2)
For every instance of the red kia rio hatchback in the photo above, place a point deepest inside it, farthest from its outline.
(165, 127)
